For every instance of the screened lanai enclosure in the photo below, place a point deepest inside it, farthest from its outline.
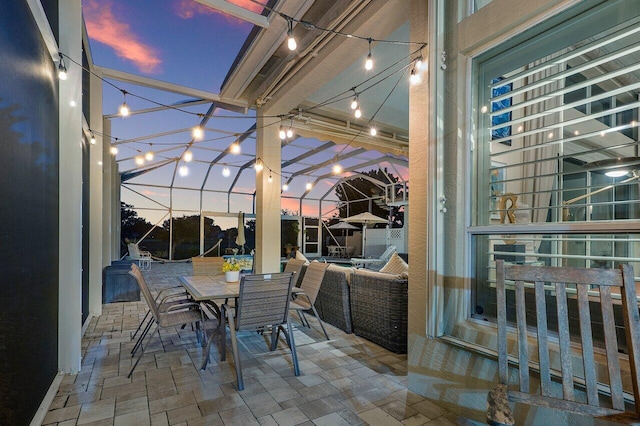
(188, 162)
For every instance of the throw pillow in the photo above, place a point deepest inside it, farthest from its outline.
(395, 265)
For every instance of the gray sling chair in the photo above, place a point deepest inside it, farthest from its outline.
(165, 316)
(310, 286)
(263, 304)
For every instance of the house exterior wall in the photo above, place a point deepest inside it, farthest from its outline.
(29, 160)
(455, 375)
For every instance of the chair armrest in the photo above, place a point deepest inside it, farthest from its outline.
(170, 289)
(182, 306)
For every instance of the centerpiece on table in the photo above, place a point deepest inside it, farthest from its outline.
(231, 270)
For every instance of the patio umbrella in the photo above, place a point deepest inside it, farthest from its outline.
(240, 240)
(366, 219)
(344, 226)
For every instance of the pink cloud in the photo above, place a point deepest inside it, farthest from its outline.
(187, 9)
(103, 26)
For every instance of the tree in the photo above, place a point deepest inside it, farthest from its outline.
(132, 226)
(186, 232)
(359, 190)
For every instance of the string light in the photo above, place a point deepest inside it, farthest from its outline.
(183, 171)
(414, 78)
(93, 139)
(187, 156)
(419, 63)
(290, 132)
(62, 69)
(373, 131)
(368, 64)
(285, 186)
(124, 109)
(139, 160)
(354, 102)
(357, 112)
(197, 133)
(308, 186)
(337, 169)
(291, 42)
(258, 166)
(149, 156)
(226, 172)
(235, 148)
(113, 150)
(282, 133)
(270, 177)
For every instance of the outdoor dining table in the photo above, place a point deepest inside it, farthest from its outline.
(208, 289)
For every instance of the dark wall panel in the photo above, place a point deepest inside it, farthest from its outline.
(28, 216)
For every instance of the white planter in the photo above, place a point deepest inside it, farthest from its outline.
(232, 276)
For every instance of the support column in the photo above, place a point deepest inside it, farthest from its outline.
(268, 204)
(95, 199)
(70, 190)
(108, 170)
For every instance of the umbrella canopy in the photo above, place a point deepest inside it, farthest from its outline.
(343, 225)
(240, 240)
(366, 218)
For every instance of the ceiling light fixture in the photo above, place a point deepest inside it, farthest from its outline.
(291, 42)
(615, 167)
(368, 64)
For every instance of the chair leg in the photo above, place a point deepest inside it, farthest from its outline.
(142, 336)
(140, 325)
(320, 321)
(223, 335)
(236, 353)
(141, 353)
(292, 346)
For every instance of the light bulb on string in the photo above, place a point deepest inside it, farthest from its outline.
(92, 141)
(368, 64)
(308, 186)
(124, 109)
(235, 148)
(291, 42)
(289, 133)
(139, 160)
(358, 113)
(197, 133)
(414, 78)
(270, 177)
(113, 150)
(373, 131)
(149, 155)
(258, 166)
(62, 69)
(183, 171)
(282, 133)
(285, 187)
(187, 156)
(337, 169)
(226, 172)
(354, 102)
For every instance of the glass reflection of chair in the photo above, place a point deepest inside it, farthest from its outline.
(310, 287)
(142, 256)
(262, 305)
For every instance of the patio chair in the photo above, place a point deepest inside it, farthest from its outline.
(358, 262)
(263, 304)
(568, 361)
(178, 314)
(295, 266)
(142, 256)
(310, 287)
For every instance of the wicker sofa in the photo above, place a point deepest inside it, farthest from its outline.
(333, 302)
(379, 308)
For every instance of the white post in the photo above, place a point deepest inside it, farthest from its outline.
(95, 199)
(70, 190)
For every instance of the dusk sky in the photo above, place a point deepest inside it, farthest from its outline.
(186, 43)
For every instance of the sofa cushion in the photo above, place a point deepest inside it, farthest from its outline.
(346, 270)
(395, 265)
(380, 275)
(302, 257)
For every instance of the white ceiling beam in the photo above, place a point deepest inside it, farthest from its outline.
(228, 104)
(237, 11)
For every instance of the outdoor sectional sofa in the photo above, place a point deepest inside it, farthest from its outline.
(368, 303)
